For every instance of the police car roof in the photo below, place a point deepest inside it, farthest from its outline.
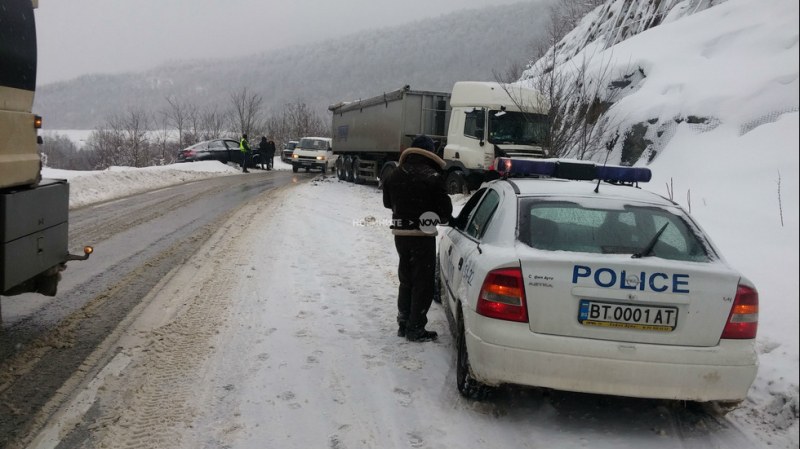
(564, 187)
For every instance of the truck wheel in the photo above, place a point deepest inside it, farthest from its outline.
(340, 169)
(294, 168)
(456, 183)
(348, 169)
(357, 179)
(467, 385)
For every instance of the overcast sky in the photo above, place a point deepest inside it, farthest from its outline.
(78, 37)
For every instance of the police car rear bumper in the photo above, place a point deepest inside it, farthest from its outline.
(512, 354)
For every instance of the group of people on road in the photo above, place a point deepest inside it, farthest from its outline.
(266, 153)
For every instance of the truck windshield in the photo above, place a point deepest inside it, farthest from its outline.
(18, 49)
(313, 144)
(518, 128)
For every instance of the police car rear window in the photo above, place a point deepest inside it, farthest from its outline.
(568, 226)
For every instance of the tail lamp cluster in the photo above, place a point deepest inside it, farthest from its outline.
(743, 319)
(502, 296)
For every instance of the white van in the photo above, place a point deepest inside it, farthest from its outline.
(313, 152)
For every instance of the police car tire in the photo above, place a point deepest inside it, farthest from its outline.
(467, 385)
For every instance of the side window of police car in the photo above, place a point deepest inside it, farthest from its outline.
(483, 213)
(466, 211)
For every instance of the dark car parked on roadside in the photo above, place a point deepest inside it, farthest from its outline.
(223, 150)
(288, 149)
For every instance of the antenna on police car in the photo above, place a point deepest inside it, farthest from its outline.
(609, 146)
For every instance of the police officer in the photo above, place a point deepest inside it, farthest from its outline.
(244, 147)
(417, 194)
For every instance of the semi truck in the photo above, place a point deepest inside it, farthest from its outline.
(33, 211)
(473, 125)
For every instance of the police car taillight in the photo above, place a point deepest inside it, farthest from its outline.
(502, 296)
(743, 319)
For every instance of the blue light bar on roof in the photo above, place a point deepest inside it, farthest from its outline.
(571, 169)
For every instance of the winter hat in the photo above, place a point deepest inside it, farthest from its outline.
(424, 142)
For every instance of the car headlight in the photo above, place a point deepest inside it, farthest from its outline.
(294, 156)
(320, 158)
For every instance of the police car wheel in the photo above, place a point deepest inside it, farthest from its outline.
(467, 385)
(294, 168)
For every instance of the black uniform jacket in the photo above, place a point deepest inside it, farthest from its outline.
(416, 187)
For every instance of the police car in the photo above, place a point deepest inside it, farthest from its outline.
(566, 275)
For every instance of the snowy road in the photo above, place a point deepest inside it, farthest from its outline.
(138, 240)
(279, 333)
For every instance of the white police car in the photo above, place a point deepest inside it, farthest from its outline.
(595, 287)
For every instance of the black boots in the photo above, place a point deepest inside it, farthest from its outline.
(420, 335)
(415, 334)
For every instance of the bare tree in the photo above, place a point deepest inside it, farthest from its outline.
(180, 115)
(58, 151)
(163, 145)
(209, 123)
(296, 120)
(246, 112)
(122, 140)
(579, 90)
(136, 123)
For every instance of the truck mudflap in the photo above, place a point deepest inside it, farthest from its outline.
(34, 237)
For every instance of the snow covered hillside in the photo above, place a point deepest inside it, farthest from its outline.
(712, 91)
(733, 65)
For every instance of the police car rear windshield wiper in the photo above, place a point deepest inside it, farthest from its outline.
(649, 248)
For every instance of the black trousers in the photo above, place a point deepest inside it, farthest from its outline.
(416, 274)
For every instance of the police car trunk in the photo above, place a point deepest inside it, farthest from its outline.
(620, 264)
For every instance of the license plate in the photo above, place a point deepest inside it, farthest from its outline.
(627, 316)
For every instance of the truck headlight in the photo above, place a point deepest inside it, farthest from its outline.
(294, 156)
(320, 158)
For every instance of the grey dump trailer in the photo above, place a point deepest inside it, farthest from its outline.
(473, 125)
(370, 134)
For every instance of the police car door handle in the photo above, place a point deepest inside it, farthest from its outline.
(460, 262)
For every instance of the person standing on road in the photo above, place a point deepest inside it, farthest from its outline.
(270, 154)
(244, 147)
(417, 194)
(263, 153)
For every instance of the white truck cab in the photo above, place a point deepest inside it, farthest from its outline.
(313, 152)
(491, 120)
